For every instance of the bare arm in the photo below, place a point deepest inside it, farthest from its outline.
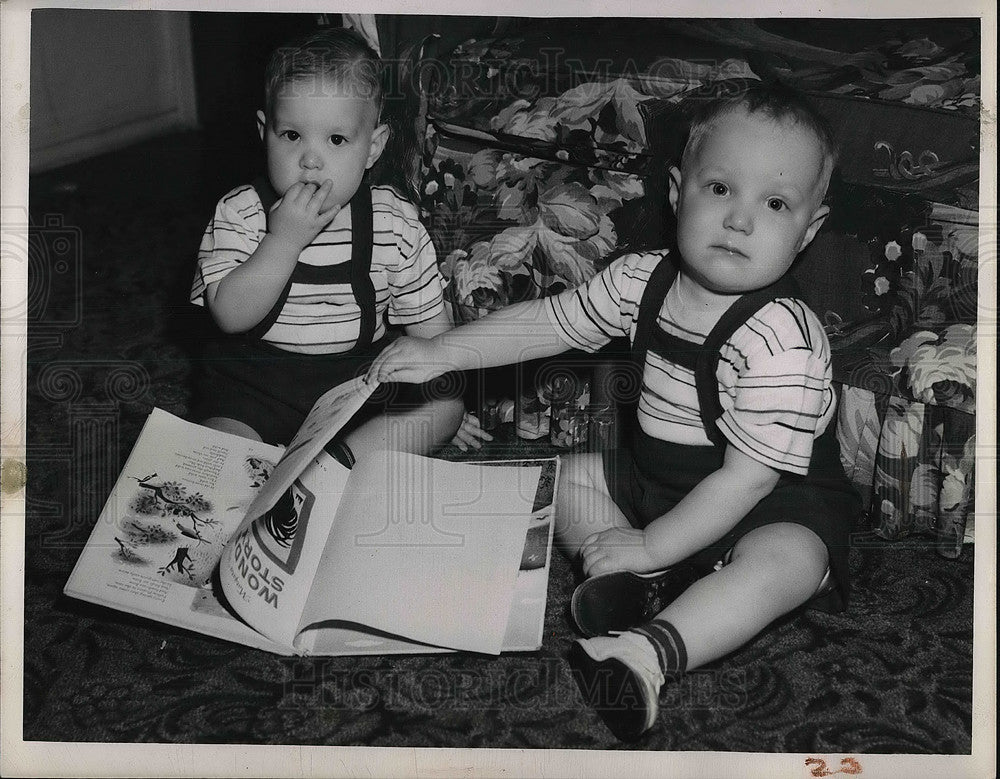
(514, 334)
(247, 293)
(702, 517)
(437, 324)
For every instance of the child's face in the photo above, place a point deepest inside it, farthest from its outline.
(318, 130)
(748, 202)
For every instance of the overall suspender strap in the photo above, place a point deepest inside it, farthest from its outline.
(706, 382)
(358, 273)
(361, 265)
(268, 197)
(660, 279)
(703, 360)
(659, 282)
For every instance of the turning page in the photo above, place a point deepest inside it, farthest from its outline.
(330, 413)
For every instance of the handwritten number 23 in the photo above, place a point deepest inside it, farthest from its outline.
(848, 765)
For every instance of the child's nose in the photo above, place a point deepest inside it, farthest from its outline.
(311, 160)
(739, 218)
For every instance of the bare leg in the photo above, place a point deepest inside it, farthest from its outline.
(233, 426)
(417, 431)
(584, 505)
(773, 569)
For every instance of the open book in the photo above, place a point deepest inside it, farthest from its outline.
(289, 551)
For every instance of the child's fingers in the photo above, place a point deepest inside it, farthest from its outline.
(464, 439)
(471, 422)
(298, 192)
(327, 216)
(319, 194)
(378, 369)
(374, 370)
(590, 542)
(592, 564)
(288, 197)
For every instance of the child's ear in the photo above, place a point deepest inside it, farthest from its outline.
(380, 135)
(261, 124)
(819, 216)
(674, 186)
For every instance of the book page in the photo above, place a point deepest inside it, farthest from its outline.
(153, 550)
(330, 413)
(526, 623)
(266, 572)
(426, 549)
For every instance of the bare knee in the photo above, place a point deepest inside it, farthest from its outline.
(790, 559)
(450, 412)
(583, 506)
(585, 469)
(416, 430)
(444, 417)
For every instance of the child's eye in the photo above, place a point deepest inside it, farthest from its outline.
(776, 204)
(289, 135)
(336, 140)
(720, 189)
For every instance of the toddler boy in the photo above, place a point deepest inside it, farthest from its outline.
(733, 466)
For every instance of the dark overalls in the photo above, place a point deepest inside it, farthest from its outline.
(245, 378)
(648, 476)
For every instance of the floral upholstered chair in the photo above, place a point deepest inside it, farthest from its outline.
(545, 155)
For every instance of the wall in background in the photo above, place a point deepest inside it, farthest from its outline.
(102, 79)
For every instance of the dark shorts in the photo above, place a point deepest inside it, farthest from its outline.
(272, 390)
(825, 502)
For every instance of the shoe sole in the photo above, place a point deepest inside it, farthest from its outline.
(619, 600)
(610, 686)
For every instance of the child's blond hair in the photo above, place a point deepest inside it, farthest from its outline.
(776, 101)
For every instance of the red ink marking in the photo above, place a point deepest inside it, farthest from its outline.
(848, 765)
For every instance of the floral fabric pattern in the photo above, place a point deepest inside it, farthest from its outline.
(907, 424)
(510, 227)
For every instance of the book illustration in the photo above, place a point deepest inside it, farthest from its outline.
(285, 525)
(181, 563)
(536, 543)
(128, 553)
(258, 469)
(138, 532)
(168, 512)
(171, 499)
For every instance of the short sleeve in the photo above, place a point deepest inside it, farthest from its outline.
(229, 240)
(781, 401)
(416, 288)
(589, 316)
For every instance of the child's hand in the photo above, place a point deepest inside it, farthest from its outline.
(617, 549)
(470, 433)
(297, 217)
(407, 359)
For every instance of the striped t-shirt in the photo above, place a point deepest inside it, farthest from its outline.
(325, 318)
(774, 373)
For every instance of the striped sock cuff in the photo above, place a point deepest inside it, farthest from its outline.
(670, 650)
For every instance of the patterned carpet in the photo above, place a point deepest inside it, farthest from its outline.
(109, 339)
